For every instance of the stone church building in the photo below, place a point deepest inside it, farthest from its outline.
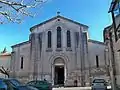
(60, 51)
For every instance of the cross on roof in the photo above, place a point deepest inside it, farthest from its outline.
(58, 13)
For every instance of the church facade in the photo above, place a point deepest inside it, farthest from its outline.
(60, 51)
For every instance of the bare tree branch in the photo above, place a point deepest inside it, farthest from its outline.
(13, 10)
(3, 71)
(6, 72)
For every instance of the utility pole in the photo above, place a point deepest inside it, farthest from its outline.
(114, 25)
(113, 69)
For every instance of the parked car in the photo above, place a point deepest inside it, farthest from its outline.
(13, 84)
(41, 85)
(99, 84)
(3, 86)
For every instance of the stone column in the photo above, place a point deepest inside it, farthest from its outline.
(33, 55)
(82, 57)
(86, 61)
(12, 65)
(40, 60)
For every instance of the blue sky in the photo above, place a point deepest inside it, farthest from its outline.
(93, 13)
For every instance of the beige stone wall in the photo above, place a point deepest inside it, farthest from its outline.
(103, 70)
(117, 53)
(99, 50)
(18, 52)
(116, 48)
(75, 58)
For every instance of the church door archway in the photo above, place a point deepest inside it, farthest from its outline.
(59, 71)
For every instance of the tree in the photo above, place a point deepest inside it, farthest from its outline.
(4, 50)
(16, 10)
(4, 71)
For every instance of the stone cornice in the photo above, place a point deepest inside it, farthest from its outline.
(26, 42)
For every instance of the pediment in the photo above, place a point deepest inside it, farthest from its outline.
(56, 19)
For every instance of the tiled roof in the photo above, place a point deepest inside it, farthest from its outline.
(5, 54)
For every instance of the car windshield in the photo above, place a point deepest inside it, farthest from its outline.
(15, 82)
(43, 82)
(37, 82)
(99, 81)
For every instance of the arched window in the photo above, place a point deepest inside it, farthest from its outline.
(49, 39)
(21, 63)
(97, 61)
(68, 39)
(58, 37)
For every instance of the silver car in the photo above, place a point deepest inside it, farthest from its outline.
(99, 84)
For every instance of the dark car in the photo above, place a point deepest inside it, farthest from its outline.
(99, 84)
(3, 86)
(41, 85)
(13, 84)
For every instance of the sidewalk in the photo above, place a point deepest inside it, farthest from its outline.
(72, 88)
(77, 88)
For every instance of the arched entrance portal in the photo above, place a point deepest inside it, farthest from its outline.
(59, 71)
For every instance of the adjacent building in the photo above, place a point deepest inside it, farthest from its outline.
(114, 48)
(5, 59)
(60, 51)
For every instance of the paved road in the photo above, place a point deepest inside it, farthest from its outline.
(73, 88)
